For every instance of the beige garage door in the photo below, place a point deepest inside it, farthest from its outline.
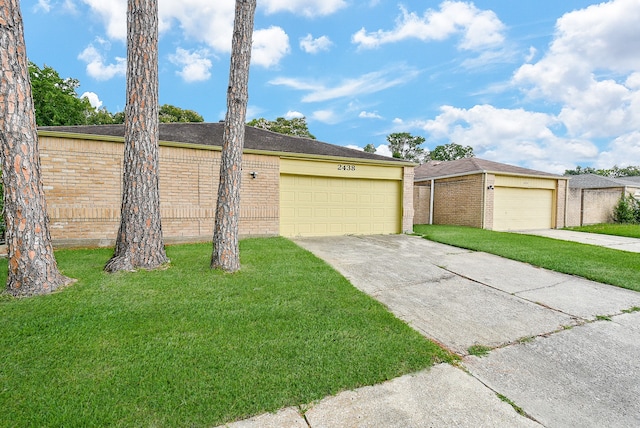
(522, 209)
(323, 206)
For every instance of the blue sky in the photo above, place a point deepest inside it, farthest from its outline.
(546, 84)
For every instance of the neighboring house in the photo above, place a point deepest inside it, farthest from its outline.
(489, 195)
(592, 198)
(290, 186)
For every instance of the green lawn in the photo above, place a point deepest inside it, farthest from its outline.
(620, 268)
(192, 347)
(628, 230)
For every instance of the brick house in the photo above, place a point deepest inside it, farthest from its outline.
(488, 195)
(290, 186)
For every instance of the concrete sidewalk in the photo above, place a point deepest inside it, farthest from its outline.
(555, 354)
(609, 241)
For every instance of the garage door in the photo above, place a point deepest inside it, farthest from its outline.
(522, 209)
(323, 206)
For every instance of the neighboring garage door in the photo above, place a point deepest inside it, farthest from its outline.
(521, 209)
(323, 206)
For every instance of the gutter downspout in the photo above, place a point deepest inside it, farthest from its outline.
(431, 190)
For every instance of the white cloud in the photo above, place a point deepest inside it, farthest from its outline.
(114, 15)
(326, 116)
(313, 46)
(43, 5)
(366, 84)
(369, 115)
(480, 29)
(96, 66)
(93, 98)
(269, 47)
(309, 8)
(293, 115)
(512, 136)
(623, 151)
(196, 67)
(591, 71)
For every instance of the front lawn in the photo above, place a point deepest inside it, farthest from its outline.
(620, 268)
(192, 347)
(628, 230)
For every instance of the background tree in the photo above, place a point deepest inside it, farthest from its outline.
(226, 250)
(451, 151)
(170, 114)
(32, 267)
(296, 126)
(55, 99)
(403, 145)
(370, 148)
(614, 172)
(139, 243)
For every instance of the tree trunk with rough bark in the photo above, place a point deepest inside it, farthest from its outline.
(226, 251)
(140, 243)
(32, 266)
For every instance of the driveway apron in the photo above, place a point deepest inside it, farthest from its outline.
(566, 350)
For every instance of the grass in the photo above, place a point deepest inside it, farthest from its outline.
(605, 265)
(193, 347)
(479, 350)
(628, 230)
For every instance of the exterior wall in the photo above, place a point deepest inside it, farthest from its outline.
(459, 201)
(421, 202)
(561, 204)
(489, 201)
(407, 199)
(593, 206)
(83, 181)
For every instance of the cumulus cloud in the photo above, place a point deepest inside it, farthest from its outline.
(93, 98)
(269, 47)
(196, 66)
(326, 116)
(366, 84)
(313, 46)
(293, 115)
(369, 115)
(309, 8)
(113, 14)
(96, 66)
(480, 29)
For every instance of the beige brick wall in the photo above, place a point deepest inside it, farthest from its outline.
(561, 202)
(458, 201)
(421, 202)
(83, 181)
(592, 206)
(407, 199)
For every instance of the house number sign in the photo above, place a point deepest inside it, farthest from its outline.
(346, 167)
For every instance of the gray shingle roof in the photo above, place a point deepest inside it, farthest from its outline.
(594, 181)
(211, 134)
(465, 166)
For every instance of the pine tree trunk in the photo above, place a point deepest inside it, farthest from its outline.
(32, 266)
(139, 243)
(226, 251)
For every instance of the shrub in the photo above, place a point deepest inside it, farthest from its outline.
(627, 210)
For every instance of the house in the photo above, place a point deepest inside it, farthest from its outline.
(489, 195)
(592, 198)
(291, 186)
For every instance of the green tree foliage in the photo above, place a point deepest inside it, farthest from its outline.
(370, 148)
(296, 126)
(403, 145)
(55, 99)
(168, 114)
(451, 151)
(627, 210)
(615, 172)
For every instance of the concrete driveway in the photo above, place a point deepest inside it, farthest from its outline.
(566, 350)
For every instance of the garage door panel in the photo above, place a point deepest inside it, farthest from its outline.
(337, 206)
(522, 209)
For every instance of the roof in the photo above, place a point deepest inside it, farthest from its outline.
(210, 134)
(594, 181)
(468, 166)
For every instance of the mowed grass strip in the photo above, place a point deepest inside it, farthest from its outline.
(620, 268)
(188, 346)
(617, 229)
